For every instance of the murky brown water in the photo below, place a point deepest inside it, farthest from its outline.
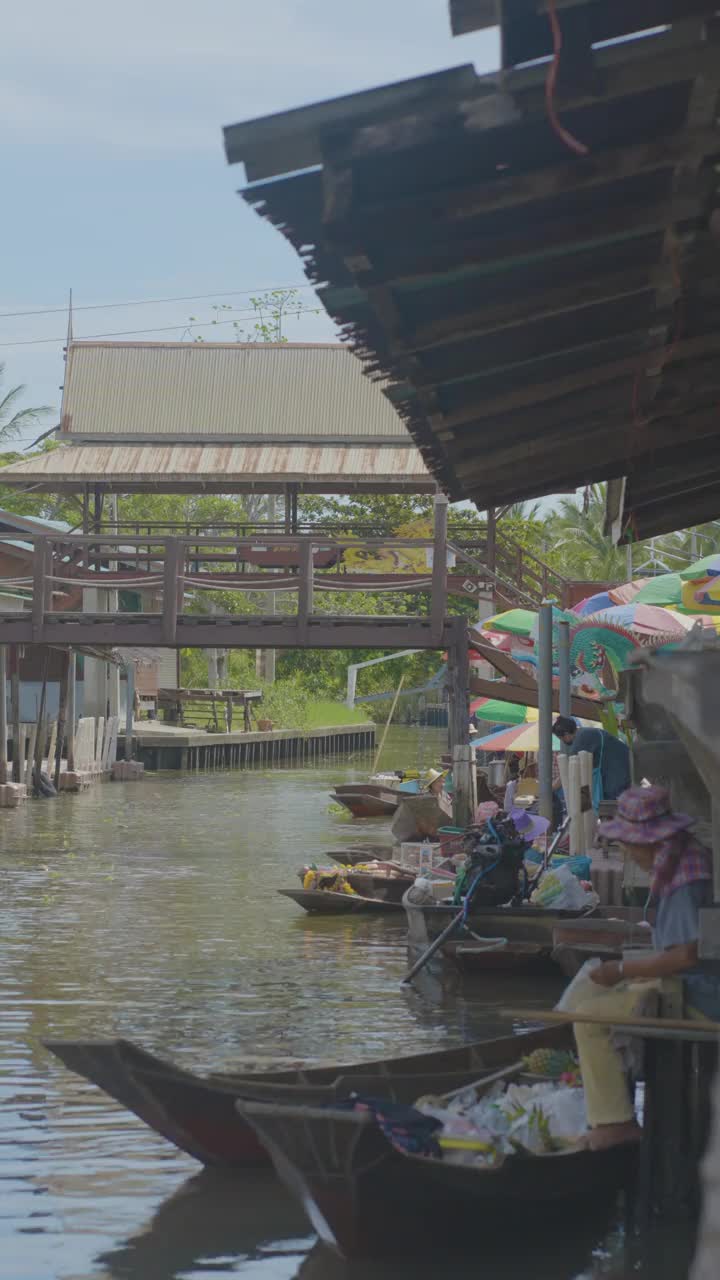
(149, 911)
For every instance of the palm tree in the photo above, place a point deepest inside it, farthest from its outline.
(12, 419)
(577, 545)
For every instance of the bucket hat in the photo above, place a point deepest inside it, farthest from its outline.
(644, 817)
(431, 776)
(529, 825)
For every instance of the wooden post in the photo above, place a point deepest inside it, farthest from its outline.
(459, 724)
(17, 774)
(438, 596)
(305, 584)
(171, 573)
(35, 765)
(62, 718)
(3, 715)
(491, 553)
(39, 586)
(71, 719)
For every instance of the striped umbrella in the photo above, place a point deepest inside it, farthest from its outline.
(591, 604)
(523, 737)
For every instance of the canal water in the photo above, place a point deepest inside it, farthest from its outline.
(149, 911)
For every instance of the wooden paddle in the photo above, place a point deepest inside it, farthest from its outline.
(691, 1025)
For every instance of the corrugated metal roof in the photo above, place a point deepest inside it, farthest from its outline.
(224, 468)
(202, 390)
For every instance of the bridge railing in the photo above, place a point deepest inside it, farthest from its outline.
(171, 569)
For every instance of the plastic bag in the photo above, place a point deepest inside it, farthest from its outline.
(560, 890)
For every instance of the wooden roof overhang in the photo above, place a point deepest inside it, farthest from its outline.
(546, 319)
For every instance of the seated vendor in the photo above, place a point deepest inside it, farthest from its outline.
(681, 870)
(435, 785)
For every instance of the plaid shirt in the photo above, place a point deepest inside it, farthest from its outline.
(680, 860)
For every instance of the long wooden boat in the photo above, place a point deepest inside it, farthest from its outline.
(516, 924)
(386, 881)
(197, 1113)
(365, 1197)
(367, 799)
(605, 937)
(327, 902)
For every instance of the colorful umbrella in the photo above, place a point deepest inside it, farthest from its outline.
(523, 737)
(665, 589)
(708, 567)
(499, 712)
(627, 591)
(643, 619)
(591, 604)
(518, 622)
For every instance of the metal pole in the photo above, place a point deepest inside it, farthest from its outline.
(129, 705)
(545, 709)
(564, 667)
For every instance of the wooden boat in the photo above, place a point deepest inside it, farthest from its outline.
(197, 1113)
(360, 853)
(367, 799)
(516, 957)
(327, 902)
(386, 880)
(364, 1196)
(517, 924)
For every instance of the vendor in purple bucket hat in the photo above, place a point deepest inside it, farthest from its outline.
(680, 867)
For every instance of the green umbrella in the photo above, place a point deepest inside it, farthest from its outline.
(518, 622)
(499, 712)
(663, 590)
(707, 567)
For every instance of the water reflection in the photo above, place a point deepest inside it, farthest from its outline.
(150, 912)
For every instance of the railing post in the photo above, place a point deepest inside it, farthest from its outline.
(40, 585)
(438, 597)
(305, 584)
(171, 573)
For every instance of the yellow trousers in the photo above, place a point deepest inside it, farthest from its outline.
(607, 1098)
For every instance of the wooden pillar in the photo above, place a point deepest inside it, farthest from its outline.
(438, 597)
(3, 715)
(71, 721)
(459, 724)
(170, 590)
(491, 554)
(17, 763)
(305, 584)
(68, 659)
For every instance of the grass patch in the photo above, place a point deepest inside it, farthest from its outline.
(328, 714)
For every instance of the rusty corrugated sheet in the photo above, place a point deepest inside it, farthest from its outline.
(196, 391)
(225, 468)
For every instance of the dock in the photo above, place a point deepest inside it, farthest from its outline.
(161, 746)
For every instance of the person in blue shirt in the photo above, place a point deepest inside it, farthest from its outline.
(610, 756)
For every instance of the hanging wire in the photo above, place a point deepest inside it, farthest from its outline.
(551, 85)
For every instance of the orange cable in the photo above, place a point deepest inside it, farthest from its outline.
(551, 84)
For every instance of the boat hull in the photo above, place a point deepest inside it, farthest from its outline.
(370, 802)
(365, 1198)
(197, 1113)
(325, 902)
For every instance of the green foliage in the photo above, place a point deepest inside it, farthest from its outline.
(13, 419)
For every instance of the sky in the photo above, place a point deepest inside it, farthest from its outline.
(115, 179)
